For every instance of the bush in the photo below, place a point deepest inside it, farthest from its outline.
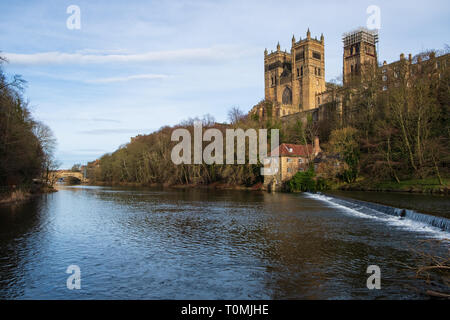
(302, 181)
(322, 184)
(305, 181)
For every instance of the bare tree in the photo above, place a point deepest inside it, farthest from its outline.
(48, 144)
(235, 114)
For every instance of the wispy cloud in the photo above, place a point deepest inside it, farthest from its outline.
(104, 120)
(115, 131)
(149, 76)
(214, 53)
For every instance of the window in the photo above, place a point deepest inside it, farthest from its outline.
(298, 72)
(351, 68)
(300, 55)
(384, 88)
(301, 70)
(300, 160)
(318, 71)
(288, 160)
(396, 74)
(287, 96)
(289, 170)
(317, 55)
(384, 78)
(384, 71)
(315, 71)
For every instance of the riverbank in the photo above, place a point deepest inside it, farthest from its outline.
(22, 194)
(430, 185)
(422, 186)
(214, 185)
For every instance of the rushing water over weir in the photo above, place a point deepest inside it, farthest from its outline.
(375, 209)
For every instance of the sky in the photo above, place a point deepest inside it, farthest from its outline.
(135, 66)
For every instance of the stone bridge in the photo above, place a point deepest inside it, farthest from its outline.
(64, 174)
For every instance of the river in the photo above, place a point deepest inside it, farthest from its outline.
(209, 244)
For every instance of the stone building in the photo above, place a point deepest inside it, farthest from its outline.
(292, 158)
(294, 82)
(293, 79)
(359, 51)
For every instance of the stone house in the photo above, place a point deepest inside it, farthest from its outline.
(292, 159)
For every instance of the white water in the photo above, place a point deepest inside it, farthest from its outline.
(407, 223)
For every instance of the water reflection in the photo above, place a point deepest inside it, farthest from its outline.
(196, 244)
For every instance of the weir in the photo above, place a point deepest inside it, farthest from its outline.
(359, 205)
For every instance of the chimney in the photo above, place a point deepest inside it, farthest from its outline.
(316, 146)
(410, 58)
(402, 56)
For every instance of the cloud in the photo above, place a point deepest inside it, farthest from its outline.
(114, 131)
(128, 78)
(214, 53)
(104, 120)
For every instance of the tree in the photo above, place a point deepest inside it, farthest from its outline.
(345, 143)
(76, 167)
(235, 114)
(26, 146)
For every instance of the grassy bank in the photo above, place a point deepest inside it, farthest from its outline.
(14, 196)
(429, 185)
(23, 193)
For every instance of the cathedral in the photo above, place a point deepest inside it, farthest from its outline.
(295, 81)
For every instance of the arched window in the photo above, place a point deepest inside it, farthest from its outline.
(287, 96)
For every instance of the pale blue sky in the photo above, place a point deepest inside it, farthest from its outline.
(138, 65)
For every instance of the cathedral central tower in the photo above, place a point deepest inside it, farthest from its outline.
(293, 79)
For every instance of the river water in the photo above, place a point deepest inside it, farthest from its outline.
(207, 244)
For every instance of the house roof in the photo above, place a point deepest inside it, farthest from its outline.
(322, 157)
(294, 150)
